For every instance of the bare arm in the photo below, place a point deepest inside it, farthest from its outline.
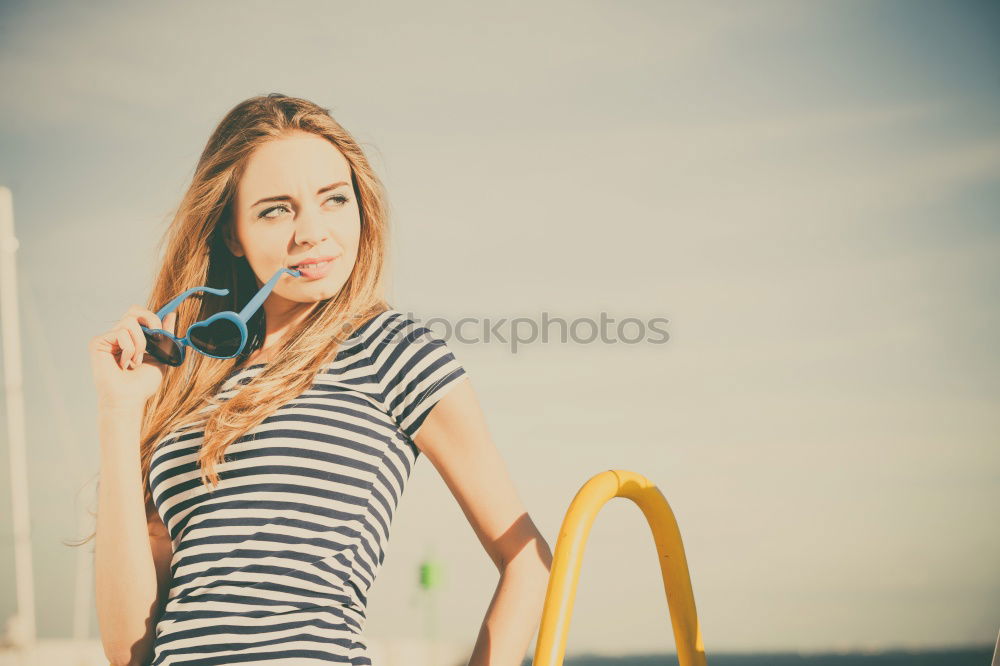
(132, 552)
(455, 438)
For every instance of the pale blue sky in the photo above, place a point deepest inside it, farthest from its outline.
(807, 191)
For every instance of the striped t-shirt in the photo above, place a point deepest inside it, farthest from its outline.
(274, 565)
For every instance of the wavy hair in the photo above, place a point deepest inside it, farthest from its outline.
(193, 252)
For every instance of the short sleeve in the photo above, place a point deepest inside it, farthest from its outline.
(420, 369)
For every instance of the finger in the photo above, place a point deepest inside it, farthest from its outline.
(124, 339)
(149, 319)
(108, 341)
(107, 347)
(138, 341)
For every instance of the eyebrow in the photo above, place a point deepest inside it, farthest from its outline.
(286, 197)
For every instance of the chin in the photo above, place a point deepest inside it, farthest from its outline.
(322, 289)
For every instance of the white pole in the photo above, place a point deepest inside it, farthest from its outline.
(34, 326)
(21, 627)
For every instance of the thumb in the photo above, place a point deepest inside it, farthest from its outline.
(170, 322)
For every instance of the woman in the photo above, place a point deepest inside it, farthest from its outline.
(245, 503)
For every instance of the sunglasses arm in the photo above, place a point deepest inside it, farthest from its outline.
(172, 305)
(261, 295)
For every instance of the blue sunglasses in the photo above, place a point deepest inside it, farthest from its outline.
(223, 335)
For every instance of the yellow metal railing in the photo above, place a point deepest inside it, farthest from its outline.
(558, 610)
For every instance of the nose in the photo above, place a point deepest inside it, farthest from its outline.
(310, 230)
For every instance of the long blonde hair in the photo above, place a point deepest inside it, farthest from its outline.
(194, 253)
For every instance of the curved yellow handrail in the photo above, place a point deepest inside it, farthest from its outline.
(558, 609)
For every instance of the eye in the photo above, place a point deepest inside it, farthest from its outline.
(264, 213)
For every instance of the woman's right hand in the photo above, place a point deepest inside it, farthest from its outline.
(124, 375)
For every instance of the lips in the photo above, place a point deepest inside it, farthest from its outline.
(315, 268)
(305, 263)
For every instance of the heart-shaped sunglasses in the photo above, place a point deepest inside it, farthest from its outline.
(223, 335)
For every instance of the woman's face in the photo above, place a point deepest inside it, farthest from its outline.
(295, 202)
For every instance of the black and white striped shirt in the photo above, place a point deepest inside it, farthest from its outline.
(274, 565)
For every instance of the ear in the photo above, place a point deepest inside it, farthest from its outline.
(229, 238)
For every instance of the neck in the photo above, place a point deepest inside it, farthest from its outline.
(281, 317)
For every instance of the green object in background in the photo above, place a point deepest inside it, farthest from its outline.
(430, 574)
(430, 583)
